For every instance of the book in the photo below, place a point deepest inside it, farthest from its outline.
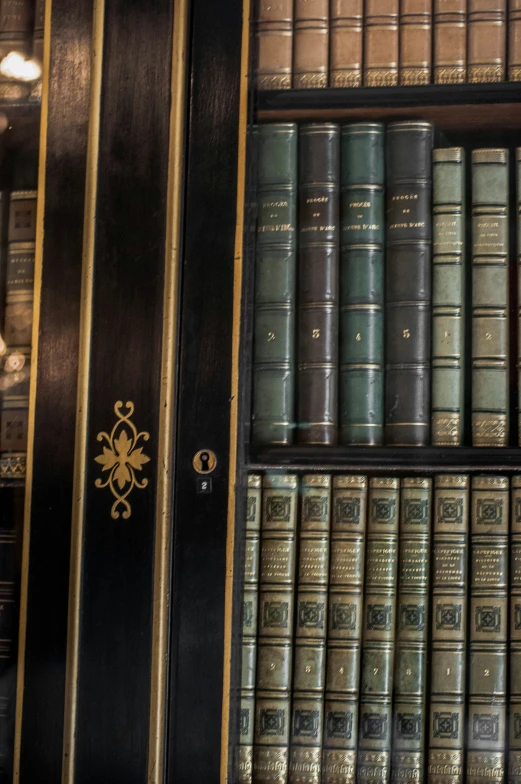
(275, 285)
(307, 711)
(408, 283)
(448, 295)
(4, 222)
(412, 633)
(38, 29)
(345, 42)
(19, 285)
(362, 284)
(275, 629)
(514, 722)
(488, 630)
(344, 636)
(490, 297)
(415, 42)
(518, 226)
(378, 634)
(16, 26)
(318, 262)
(486, 40)
(311, 44)
(15, 375)
(514, 40)
(449, 629)
(381, 49)
(274, 45)
(250, 605)
(450, 41)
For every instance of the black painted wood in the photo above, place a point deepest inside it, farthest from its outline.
(199, 556)
(67, 135)
(117, 589)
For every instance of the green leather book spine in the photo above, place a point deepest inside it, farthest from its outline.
(362, 284)
(275, 629)
(379, 622)
(518, 214)
(409, 707)
(490, 297)
(449, 629)
(488, 630)
(514, 761)
(250, 605)
(275, 285)
(311, 631)
(319, 231)
(344, 636)
(448, 295)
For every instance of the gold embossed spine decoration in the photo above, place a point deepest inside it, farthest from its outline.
(311, 629)
(486, 40)
(250, 606)
(449, 629)
(514, 744)
(311, 44)
(415, 42)
(378, 632)
(450, 41)
(346, 38)
(381, 48)
(275, 629)
(344, 641)
(274, 36)
(488, 629)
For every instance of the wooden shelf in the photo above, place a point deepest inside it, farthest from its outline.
(472, 106)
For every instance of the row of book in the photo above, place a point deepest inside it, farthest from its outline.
(376, 619)
(349, 348)
(18, 230)
(347, 43)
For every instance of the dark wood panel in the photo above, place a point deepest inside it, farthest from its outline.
(44, 687)
(118, 554)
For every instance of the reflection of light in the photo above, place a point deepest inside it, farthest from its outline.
(3, 347)
(15, 66)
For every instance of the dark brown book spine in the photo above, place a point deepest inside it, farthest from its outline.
(450, 41)
(486, 40)
(346, 38)
(311, 44)
(16, 24)
(39, 23)
(381, 43)
(274, 36)
(415, 41)
(318, 264)
(514, 40)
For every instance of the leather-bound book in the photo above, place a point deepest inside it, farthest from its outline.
(16, 365)
(412, 634)
(362, 284)
(311, 44)
(514, 40)
(408, 283)
(518, 226)
(274, 37)
(449, 630)
(16, 26)
(250, 604)
(486, 40)
(514, 761)
(318, 262)
(448, 295)
(490, 297)
(19, 287)
(275, 630)
(344, 636)
(38, 29)
(379, 625)
(488, 630)
(415, 41)
(275, 285)
(345, 41)
(381, 49)
(309, 679)
(450, 41)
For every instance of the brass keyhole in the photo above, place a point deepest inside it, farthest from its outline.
(204, 461)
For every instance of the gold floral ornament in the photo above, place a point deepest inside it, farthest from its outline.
(122, 457)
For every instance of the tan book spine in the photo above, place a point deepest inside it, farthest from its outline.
(274, 38)
(346, 40)
(311, 44)
(381, 43)
(450, 41)
(415, 41)
(514, 40)
(486, 40)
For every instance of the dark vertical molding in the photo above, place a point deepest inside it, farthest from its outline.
(55, 412)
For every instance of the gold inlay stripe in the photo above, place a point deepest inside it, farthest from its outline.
(234, 396)
(38, 265)
(159, 669)
(80, 442)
